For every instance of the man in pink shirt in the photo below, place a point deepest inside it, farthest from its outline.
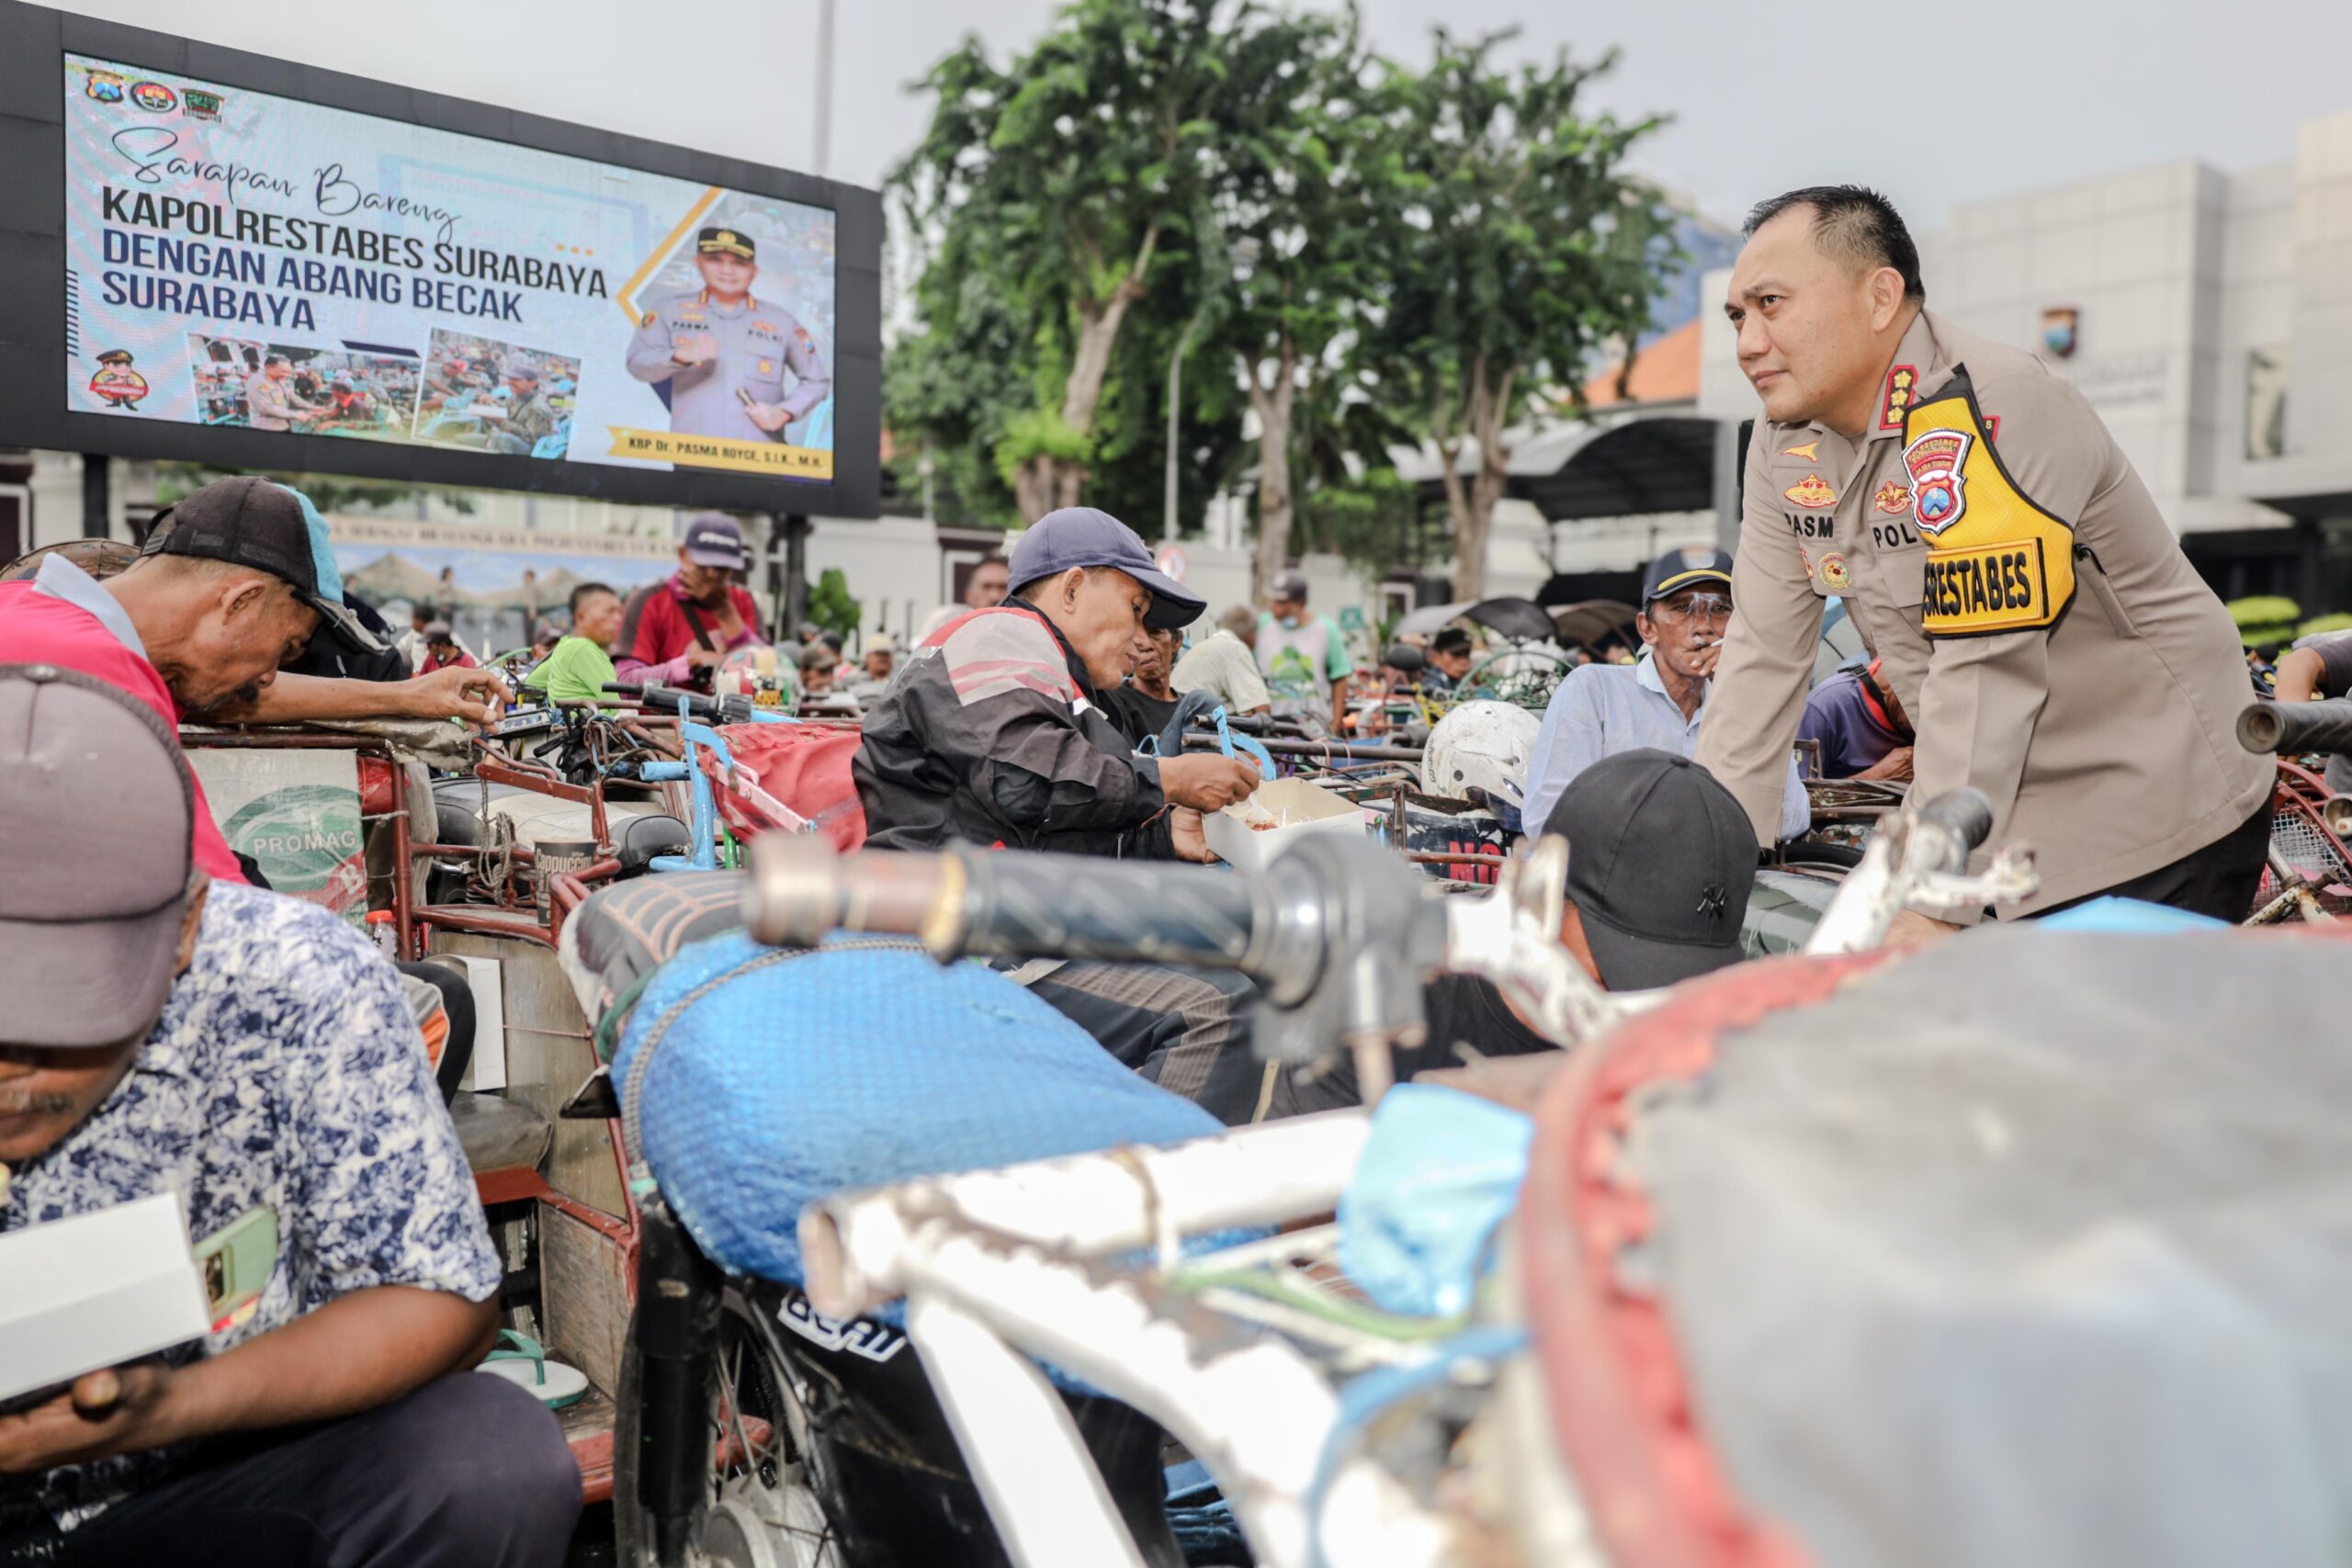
(235, 581)
(675, 632)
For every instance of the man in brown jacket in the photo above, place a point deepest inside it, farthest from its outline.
(2034, 609)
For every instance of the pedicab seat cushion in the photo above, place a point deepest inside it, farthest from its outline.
(496, 1133)
(758, 1080)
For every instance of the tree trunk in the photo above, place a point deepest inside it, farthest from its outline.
(1472, 506)
(1047, 483)
(1275, 508)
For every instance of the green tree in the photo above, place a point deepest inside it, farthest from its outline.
(1054, 192)
(1517, 251)
(830, 607)
(1291, 215)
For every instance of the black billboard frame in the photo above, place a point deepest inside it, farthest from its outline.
(34, 41)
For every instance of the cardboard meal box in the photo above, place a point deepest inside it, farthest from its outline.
(1298, 806)
(98, 1290)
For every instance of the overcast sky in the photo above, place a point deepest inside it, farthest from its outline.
(1937, 105)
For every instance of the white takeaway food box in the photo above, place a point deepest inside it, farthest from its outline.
(98, 1290)
(1300, 806)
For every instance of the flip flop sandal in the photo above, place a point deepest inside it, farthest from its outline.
(522, 1360)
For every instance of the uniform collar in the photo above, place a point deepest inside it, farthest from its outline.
(1922, 363)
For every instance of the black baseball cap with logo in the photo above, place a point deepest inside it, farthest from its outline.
(1661, 860)
(1677, 570)
(250, 520)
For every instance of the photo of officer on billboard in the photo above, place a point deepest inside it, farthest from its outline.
(737, 367)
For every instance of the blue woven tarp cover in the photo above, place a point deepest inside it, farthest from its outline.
(778, 1078)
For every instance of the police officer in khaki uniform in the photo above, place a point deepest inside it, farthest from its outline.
(2033, 608)
(724, 353)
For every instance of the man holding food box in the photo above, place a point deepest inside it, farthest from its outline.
(994, 733)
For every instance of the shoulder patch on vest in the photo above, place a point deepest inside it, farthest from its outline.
(1996, 562)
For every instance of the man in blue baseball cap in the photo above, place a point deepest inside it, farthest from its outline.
(1603, 709)
(994, 733)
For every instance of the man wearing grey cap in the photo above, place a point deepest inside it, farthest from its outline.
(1304, 658)
(994, 733)
(677, 632)
(254, 1055)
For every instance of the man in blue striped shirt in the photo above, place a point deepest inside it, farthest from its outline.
(1603, 709)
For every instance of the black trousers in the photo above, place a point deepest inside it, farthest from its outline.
(468, 1471)
(1186, 1029)
(2220, 880)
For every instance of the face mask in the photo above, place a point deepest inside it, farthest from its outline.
(1289, 623)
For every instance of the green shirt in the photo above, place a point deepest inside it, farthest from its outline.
(576, 671)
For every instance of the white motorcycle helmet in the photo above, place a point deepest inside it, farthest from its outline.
(1483, 746)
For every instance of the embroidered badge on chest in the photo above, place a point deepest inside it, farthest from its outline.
(1836, 574)
(1938, 495)
(1810, 451)
(1812, 490)
(1891, 499)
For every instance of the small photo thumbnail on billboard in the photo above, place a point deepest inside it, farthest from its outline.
(488, 396)
(316, 391)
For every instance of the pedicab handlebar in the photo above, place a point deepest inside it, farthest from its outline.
(1337, 934)
(2290, 728)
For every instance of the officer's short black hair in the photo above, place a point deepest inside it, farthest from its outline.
(582, 592)
(1853, 223)
(1452, 640)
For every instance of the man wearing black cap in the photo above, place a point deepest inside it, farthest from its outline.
(1661, 861)
(677, 632)
(994, 733)
(723, 353)
(1603, 709)
(233, 582)
(254, 1055)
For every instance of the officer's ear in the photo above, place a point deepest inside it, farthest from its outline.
(1886, 292)
(1072, 581)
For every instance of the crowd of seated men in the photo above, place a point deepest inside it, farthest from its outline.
(174, 1027)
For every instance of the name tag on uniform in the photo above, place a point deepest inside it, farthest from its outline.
(1992, 588)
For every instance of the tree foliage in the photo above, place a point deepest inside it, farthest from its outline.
(1357, 254)
(1058, 191)
(1518, 252)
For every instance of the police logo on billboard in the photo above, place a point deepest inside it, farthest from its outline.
(199, 103)
(2058, 329)
(154, 97)
(116, 383)
(104, 85)
(1939, 497)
